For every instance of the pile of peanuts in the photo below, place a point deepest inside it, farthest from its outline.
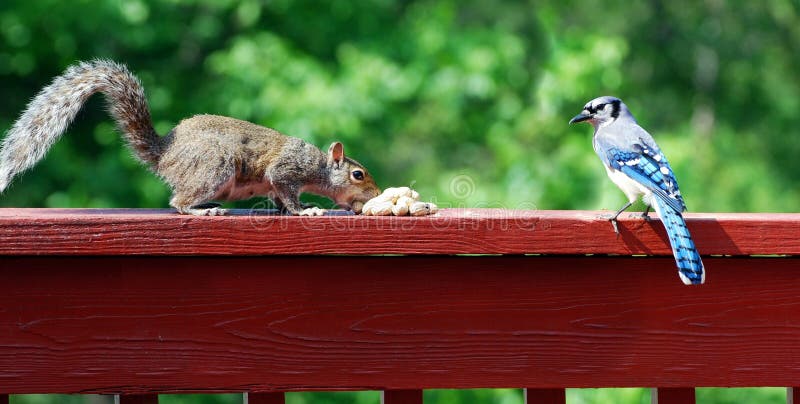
(399, 201)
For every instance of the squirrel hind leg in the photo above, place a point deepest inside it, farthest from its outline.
(191, 194)
(190, 206)
(203, 209)
(207, 205)
(209, 211)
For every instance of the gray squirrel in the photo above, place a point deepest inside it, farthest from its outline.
(205, 158)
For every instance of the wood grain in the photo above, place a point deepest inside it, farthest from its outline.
(452, 231)
(276, 323)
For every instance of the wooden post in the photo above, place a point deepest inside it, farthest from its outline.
(264, 398)
(545, 396)
(680, 395)
(793, 395)
(3, 398)
(401, 397)
(136, 399)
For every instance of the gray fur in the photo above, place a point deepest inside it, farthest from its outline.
(49, 114)
(204, 158)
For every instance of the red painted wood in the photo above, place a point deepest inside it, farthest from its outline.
(214, 324)
(452, 231)
(3, 398)
(401, 397)
(793, 395)
(137, 399)
(545, 396)
(265, 398)
(674, 396)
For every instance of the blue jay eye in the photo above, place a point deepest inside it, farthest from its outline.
(358, 175)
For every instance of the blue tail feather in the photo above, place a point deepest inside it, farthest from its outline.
(690, 266)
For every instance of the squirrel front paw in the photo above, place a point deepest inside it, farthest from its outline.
(315, 211)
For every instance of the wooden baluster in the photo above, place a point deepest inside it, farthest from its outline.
(401, 397)
(545, 396)
(136, 399)
(679, 395)
(264, 398)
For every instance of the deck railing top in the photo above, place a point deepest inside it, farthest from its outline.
(452, 231)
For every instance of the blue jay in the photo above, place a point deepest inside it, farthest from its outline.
(636, 164)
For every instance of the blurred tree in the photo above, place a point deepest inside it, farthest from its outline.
(427, 92)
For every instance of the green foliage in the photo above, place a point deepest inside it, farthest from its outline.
(494, 396)
(772, 395)
(466, 101)
(356, 397)
(426, 92)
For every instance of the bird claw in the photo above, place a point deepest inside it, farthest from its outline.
(613, 219)
(644, 216)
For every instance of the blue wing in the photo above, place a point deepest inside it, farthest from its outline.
(649, 167)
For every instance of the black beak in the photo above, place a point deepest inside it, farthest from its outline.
(581, 117)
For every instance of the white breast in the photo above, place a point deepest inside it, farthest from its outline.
(631, 188)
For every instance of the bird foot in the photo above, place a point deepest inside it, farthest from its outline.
(644, 216)
(613, 219)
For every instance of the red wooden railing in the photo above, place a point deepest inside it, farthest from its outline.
(142, 302)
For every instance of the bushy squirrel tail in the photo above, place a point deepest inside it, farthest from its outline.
(52, 110)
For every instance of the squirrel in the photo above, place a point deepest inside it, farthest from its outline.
(204, 158)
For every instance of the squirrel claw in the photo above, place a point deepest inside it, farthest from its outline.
(213, 211)
(315, 211)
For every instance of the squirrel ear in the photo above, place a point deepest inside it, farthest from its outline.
(336, 153)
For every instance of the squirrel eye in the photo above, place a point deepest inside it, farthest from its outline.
(358, 175)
